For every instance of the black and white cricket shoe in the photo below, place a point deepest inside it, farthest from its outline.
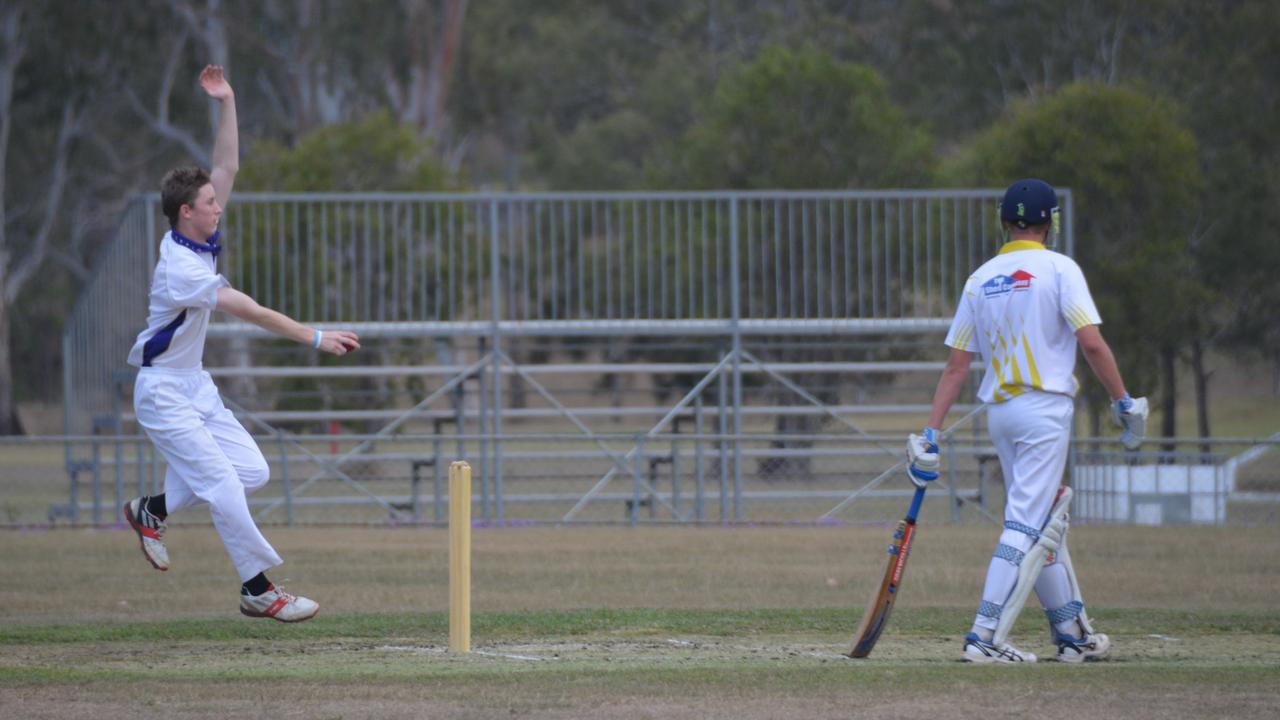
(1087, 648)
(977, 650)
(150, 530)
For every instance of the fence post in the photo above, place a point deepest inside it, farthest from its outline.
(636, 475)
(482, 426)
(460, 557)
(495, 300)
(951, 480)
(286, 478)
(735, 308)
(675, 475)
(700, 478)
(97, 482)
(437, 477)
(722, 445)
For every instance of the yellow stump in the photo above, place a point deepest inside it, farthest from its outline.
(459, 557)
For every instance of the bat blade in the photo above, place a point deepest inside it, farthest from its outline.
(877, 614)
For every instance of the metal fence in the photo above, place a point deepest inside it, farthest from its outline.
(674, 478)
(696, 265)
(660, 479)
(688, 357)
(610, 257)
(778, 334)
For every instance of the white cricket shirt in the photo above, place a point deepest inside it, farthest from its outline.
(184, 292)
(1020, 311)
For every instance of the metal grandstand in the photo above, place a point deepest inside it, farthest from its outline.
(724, 356)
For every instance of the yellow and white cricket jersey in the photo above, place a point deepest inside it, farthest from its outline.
(1020, 311)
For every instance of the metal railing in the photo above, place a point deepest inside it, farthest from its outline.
(737, 275)
(677, 477)
(697, 265)
(666, 478)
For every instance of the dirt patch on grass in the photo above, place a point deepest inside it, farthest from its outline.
(397, 654)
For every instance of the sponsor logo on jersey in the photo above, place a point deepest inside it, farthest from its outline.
(1005, 284)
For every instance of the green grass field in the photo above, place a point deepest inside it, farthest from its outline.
(613, 622)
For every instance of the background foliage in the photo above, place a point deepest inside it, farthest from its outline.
(1159, 114)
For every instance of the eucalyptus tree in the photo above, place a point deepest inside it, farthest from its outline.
(1135, 177)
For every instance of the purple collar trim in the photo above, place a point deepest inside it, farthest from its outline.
(213, 248)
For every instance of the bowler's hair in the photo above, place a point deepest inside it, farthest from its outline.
(180, 187)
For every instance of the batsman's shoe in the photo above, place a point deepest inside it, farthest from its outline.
(150, 530)
(977, 650)
(1091, 646)
(278, 604)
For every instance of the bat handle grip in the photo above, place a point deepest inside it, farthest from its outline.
(916, 501)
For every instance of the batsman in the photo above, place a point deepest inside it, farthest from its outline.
(1024, 312)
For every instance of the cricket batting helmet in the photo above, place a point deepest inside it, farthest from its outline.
(1029, 202)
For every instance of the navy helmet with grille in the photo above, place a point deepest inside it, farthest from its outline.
(1029, 202)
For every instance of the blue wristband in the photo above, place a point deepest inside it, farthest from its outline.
(315, 343)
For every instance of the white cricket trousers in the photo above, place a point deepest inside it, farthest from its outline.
(211, 458)
(1032, 433)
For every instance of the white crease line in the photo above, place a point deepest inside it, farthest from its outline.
(509, 655)
(411, 648)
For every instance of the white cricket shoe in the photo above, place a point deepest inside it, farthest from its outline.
(1088, 647)
(278, 604)
(977, 650)
(150, 530)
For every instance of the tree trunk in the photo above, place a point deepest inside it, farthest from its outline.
(517, 392)
(422, 98)
(12, 48)
(1169, 396)
(1202, 396)
(7, 424)
(1275, 375)
(799, 427)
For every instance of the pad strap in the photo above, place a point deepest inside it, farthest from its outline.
(1010, 554)
(1070, 611)
(989, 609)
(1027, 530)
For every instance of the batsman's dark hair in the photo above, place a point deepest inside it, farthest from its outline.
(180, 187)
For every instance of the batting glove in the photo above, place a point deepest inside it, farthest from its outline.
(1131, 415)
(922, 454)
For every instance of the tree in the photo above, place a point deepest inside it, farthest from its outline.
(377, 153)
(798, 120)
(1223, 59)
(27, 226)
(801, 120)
(1135, 177)
(533, 75)
(962, 64)
(572, 94)
(71, 133)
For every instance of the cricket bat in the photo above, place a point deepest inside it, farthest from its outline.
(877, 614)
